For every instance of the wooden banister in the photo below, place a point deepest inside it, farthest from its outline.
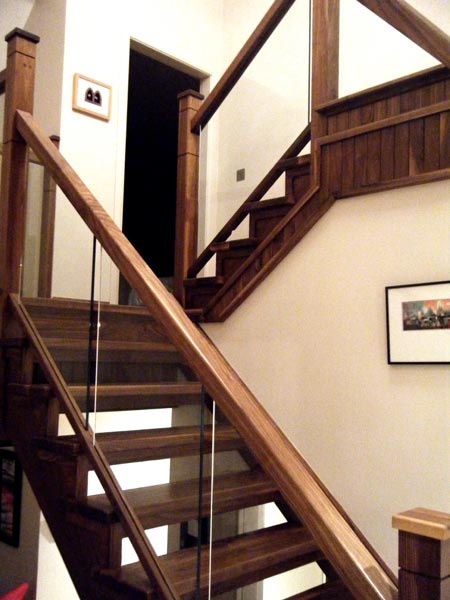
(47, 232)
(264, 186)
(186, 226)
(356, 565)
(20, 71)
(250, 49)
(406, 19)
(424, 554)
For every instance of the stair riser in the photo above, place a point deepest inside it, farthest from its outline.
(199, 297)
(298, 182)
(263, 221)
(229, 260)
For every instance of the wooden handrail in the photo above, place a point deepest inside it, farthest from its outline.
(234, 72)
(356, 565)
(130, 522)
(406, 19)
(264, 186)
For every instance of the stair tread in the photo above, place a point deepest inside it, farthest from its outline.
(232, 244)
(332, 590)
(295, 161)
(280, 202)
(148, 444)
(175, 502)
(204, 281)
(109, 345)
(70, 319)
(126, 396)
(140, 389)
(78, 305)
(124, 351)
(236, 561)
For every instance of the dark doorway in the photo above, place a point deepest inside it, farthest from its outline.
(151, 160)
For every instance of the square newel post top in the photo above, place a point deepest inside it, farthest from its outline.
(26, 35)
(425, 522)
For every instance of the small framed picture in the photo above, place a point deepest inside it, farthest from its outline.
(418, 323)
(91, 97)
(10, 497)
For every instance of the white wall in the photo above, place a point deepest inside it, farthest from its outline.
(373, 52)
(99, 48)
(267, 109)
(12, 14)
(311, 344)
(311, 341)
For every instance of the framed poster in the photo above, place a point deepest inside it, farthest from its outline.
(10, 497)
(91, 97)
(418, 323)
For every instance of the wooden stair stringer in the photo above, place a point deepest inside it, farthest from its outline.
(50, 502)
(269, 253)
(43, 472)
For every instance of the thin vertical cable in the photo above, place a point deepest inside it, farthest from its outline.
(91, 334)
(211, 504)
(200, 494)
(20, 277)
(97, 349)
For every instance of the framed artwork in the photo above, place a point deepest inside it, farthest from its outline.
(418, 323)
(91, 97)
(10, 497)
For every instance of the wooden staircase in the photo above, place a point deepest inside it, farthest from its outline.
(389, 136)
(140, 368)
(213, 298)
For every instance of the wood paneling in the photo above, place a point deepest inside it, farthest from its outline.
(401, 137)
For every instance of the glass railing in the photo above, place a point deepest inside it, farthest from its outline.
(132, 385)
(129, 381)
(260, 118)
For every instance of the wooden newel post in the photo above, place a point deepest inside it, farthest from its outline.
(324, 73)
(20, 73)
(424, 554)
(187, 190)
(47, 231)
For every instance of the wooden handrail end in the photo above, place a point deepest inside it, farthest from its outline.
(425, 522)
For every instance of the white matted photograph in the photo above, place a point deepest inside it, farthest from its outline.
(91, 97)
(418, 323)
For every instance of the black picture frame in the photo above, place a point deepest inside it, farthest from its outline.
(10, 497)
(418, 323)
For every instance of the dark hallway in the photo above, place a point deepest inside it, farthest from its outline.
(151, 159)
